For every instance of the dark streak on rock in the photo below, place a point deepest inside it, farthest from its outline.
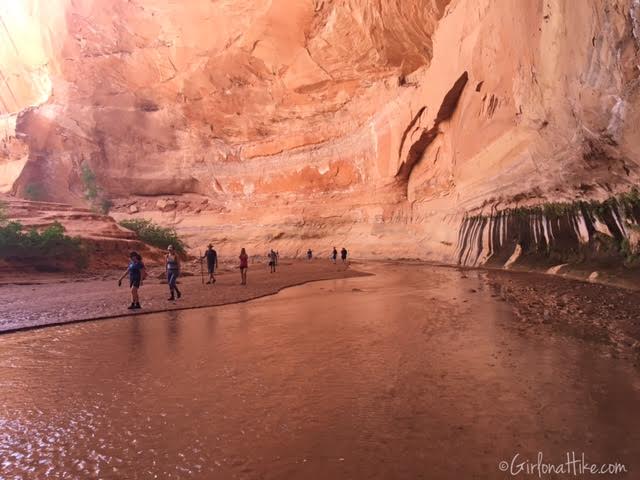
(447, 108)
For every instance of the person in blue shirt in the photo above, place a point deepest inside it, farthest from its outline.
(137, 273)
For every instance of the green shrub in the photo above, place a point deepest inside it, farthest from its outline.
(34, 191)
(106, 205)
(3, 212)
(40, 246)
(89, 182)
(102, 206)
(92, 192)
(155, 235)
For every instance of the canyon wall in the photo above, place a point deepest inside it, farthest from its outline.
(386, 127)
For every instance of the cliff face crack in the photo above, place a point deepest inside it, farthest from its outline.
(447, 108)
(450, 101)
(410, 128)
(324, 70)
(416, 152)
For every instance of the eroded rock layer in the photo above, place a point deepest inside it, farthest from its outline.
(381, 126)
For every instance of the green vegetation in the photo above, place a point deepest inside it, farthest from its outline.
(155, 235)
(92, 191)
(626, 203)
(39, 247)
(631, 258)
(105, 205)
(630, 201)
(565, 246)
(34, 191)
(89, 182)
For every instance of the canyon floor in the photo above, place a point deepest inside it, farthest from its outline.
(414, 372)
(604, 315)
(34, 300)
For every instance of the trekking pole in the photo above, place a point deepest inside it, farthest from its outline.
(201, 269)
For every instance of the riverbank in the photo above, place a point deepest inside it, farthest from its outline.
(548, 305)
(602, 311)
(71, 299)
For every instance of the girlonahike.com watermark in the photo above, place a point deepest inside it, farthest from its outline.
(573, 465)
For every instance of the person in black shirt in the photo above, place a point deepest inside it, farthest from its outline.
(343, 255)
(212, 262)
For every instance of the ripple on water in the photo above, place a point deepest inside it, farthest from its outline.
(319, 381)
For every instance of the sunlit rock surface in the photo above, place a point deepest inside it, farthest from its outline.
(105, 243)
(380, 126)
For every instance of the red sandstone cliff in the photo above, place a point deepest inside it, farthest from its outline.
(376, 125)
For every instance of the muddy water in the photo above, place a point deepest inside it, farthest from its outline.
(409, 374)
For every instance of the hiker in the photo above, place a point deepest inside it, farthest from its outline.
(334, 255)
(244, 265)
(309, 254)
(212, 262)
(137, 273)
(343, 255)
(173, 271)
(277, 256)
(273, 260)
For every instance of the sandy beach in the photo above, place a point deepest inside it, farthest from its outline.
(70, 299)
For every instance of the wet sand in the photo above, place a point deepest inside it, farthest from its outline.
(415, 373)
(63, 300)
(603, 315)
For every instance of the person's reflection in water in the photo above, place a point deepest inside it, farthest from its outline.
(212, 323)
(136, 338)
(243, 317)
(173, 319)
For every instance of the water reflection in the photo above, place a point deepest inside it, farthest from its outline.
(378, 377)
(172, 322)
(136, 336)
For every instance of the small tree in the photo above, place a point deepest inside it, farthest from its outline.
(89, 182)
(155, 235)
(92, 191)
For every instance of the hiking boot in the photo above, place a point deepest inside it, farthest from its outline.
(209, 282)
(137, 306)
(171, 298)
(132, 306)
(178, 293)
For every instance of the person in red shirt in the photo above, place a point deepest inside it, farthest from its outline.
(244, 265)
